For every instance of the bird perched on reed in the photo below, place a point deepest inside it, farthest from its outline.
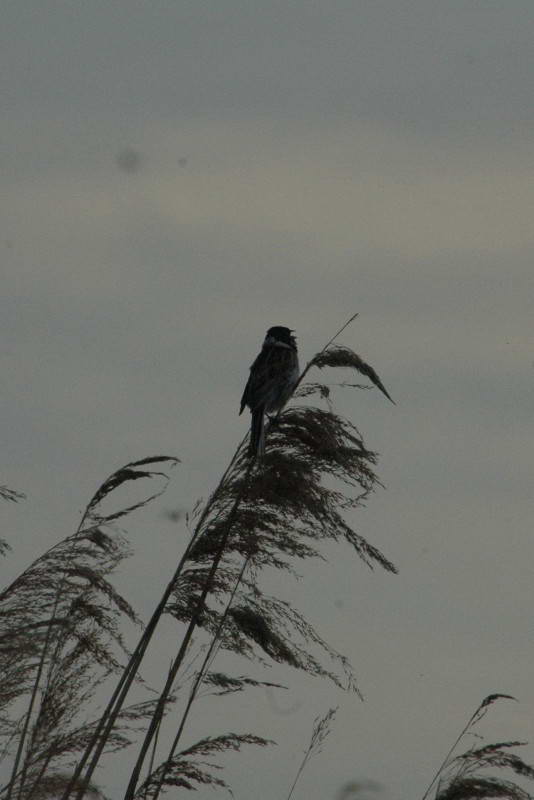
(272, 378)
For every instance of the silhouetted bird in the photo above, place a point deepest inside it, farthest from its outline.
(272, 379)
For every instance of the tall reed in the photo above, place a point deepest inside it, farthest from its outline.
(65, 619)
(61, 636)
(266, 514)
(481, 770)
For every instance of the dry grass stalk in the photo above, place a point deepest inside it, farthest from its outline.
(321, 729)
(190, 770)
(465, 776)
(60, 638)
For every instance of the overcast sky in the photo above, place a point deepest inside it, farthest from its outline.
(178, 176)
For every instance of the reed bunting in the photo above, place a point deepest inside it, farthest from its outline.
(272, 379)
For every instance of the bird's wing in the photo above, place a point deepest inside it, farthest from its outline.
(265, 374)
(255, 379)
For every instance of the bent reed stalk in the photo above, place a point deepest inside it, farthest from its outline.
(242, 493)
(216, 637)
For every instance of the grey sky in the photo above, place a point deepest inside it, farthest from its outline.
(298, 162)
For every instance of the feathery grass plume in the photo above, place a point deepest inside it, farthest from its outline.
(11, 494)
(264, 628)
(226, 684)
(484, 788)
(47, 775)
(286, 513)
(51, 786)
(268, 514)
(321, 729)
(310, 388)
(189, 768)
(339, 356)
(465, 776)
(60, 638)
(14, 497)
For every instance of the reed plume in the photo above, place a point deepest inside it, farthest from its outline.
(61, 636)
(471, 774)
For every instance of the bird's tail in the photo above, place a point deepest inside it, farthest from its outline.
(257, 433)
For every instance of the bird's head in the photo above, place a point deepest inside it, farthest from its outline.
(280, 334)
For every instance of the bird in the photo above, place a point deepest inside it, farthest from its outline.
(273, 376)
